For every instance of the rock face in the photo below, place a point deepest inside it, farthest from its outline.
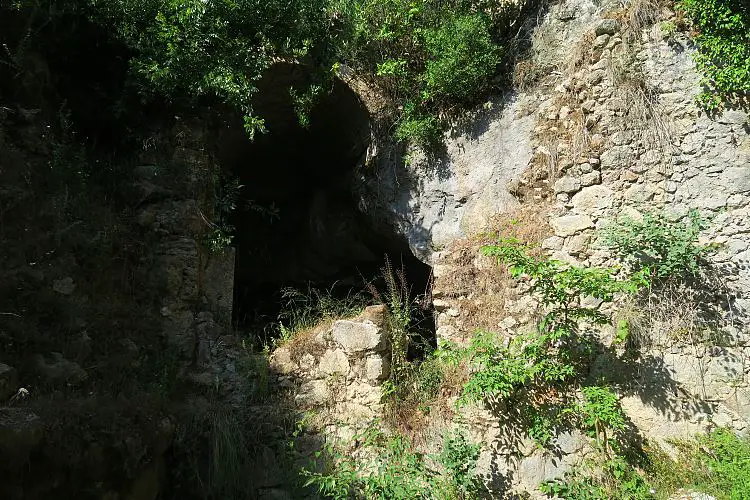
(433, 202)
(633, 154)
(8, 382)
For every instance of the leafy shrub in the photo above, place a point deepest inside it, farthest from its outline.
(190, 49)
(717, 464)
(599, 412)
(667, 247)
(541, 370)
(724, 49)
(462, 58)
(458, 459)
(604, 480)
(427, 55)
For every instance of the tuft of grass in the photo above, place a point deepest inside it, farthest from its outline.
(303, 310)
(645, 13)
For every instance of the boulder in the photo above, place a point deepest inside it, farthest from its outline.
(607, 27)
(358, 337)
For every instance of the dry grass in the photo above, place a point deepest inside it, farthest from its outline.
(582, 54)
(674, 313)
(420, 413)
(305, 342)
(487, 288)
(646, 116)
(645, 13)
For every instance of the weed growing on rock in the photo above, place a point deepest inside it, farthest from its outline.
(715, 464)
(402, 305)
(304, 309)
(541, 371)
(666, 246)
(397, 471)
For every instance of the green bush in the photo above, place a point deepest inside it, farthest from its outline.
(724, 49)
(718, 463)
(553, 359)
(601, 480)
(398, 472)
(428, 55)
(191, 49)
(462, 58)
(668, 247)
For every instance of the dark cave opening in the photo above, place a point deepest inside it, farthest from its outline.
(298, 224)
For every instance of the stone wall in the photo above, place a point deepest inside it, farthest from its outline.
(197, 285)
(336, 370)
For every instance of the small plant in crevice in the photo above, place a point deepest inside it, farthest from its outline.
(225, 195)
(388, 466)
(688, 299)
(402, 306)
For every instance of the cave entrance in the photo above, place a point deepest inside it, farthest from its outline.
(298, 224)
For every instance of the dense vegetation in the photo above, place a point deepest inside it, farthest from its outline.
(724, 49)
(426, 56)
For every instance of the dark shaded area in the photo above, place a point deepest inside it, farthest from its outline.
(298, 222)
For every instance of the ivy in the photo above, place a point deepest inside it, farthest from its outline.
(724, 50)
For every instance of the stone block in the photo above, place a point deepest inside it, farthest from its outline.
(567, 185)
(281, 361)
(593, 200)
(377, 369)
(313, 393)
(569, 225)
(591, 178)
(357, 337)
(65, 286)
(553, 243)
(607, 27)
(334, 362)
